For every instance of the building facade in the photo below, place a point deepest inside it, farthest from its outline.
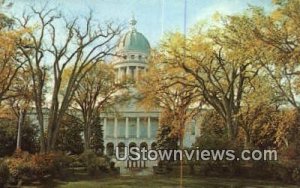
(132, 125)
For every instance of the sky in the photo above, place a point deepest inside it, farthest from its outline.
(154, 17)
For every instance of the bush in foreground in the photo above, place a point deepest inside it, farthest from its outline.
(4, 174)
(94, 163)
(26, 167)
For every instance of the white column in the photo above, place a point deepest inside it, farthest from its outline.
(138, 127)
(104, 127)
(119, 74)
(132, 73)
(137, 74)
(116, 128)
(149, 128)
(126, 128)
(127, 72)
(122, 73)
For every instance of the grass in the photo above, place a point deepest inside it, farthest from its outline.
(163, 182)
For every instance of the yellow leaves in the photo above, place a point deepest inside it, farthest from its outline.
(277, 2)
(162, 83)
(176, 39)
(223, 62)
(260, 92)
(6, 113)
(217, 16)
(9, 41)
(199, 45)
(173, 43)
(9, 67)
(277, 15)
(288, 123)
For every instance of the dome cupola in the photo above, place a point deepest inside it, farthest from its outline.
(133, 41)
(133, 51)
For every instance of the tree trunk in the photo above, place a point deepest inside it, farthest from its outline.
(42, 134)
(52, 134)
(247, 140)
(181, 136)
(20, 122)
(87, 136)
(232, 127)
(229, 128)
(181, 161)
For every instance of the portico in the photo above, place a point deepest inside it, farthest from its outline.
(135, 134)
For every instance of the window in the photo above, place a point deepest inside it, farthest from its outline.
(143, 127)
(140, 57)
(110, 128)
(132, 128)
(132, 56)
(154, 127)
(121, 127)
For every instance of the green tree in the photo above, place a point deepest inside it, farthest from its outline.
(8, 135)
(166, 140)
(70, 137)
(96, 139)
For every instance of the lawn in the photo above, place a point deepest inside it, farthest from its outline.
(165, 182)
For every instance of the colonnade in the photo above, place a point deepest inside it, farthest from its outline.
(138, 127)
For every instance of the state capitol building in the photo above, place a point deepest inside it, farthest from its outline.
(132, 125)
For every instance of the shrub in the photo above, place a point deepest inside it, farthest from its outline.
(283, 170)
(4, 173)
(89, 159)
(36, 167)
(75, 161)
(69, 138)
(8, 134)
(19, 165)
(50, 164)
(94, 164)
(213, 141)
(296, 175)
